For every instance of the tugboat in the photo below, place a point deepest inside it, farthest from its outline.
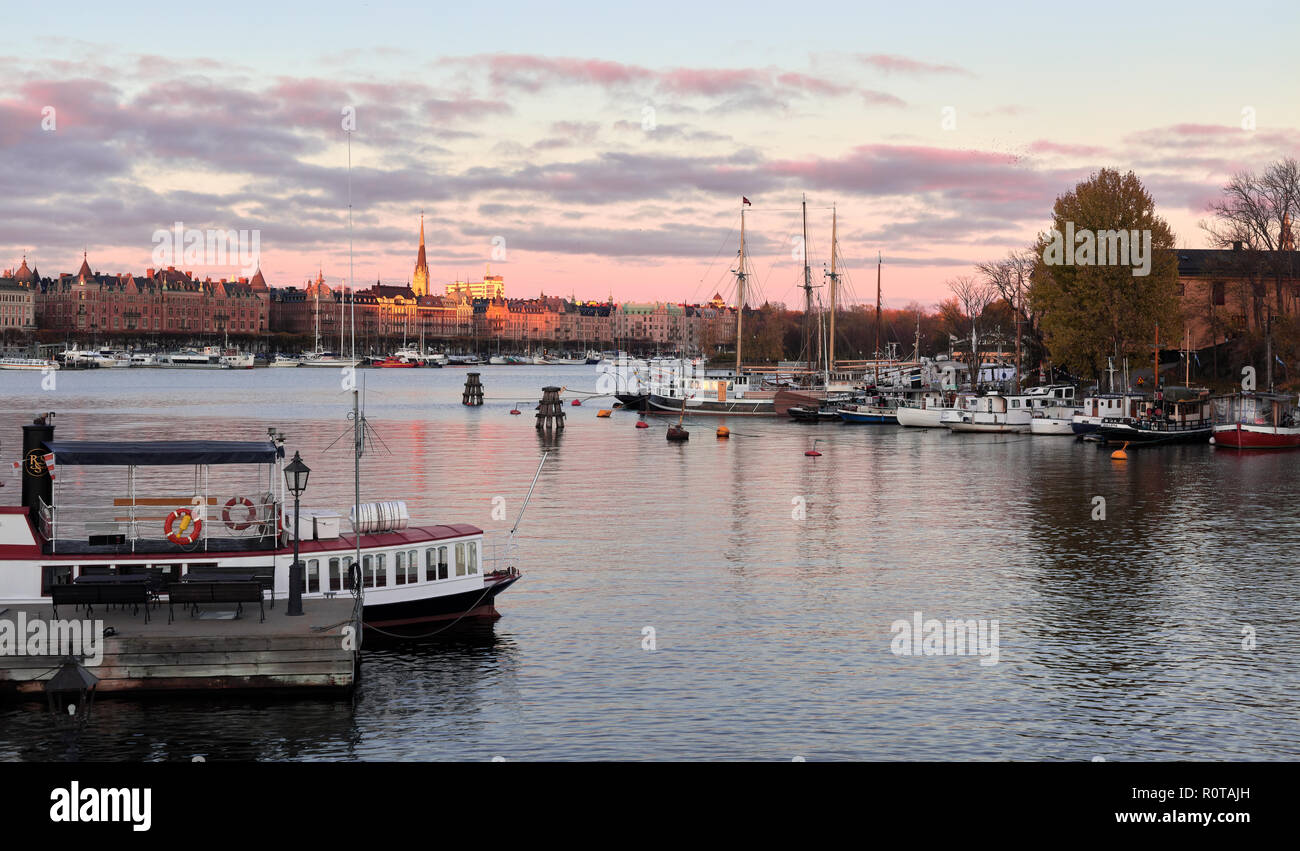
(408, 577)
(1175, 415)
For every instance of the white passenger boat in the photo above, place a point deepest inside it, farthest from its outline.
(284, 361)
(28, 363)
(990, 413)
(407, 576)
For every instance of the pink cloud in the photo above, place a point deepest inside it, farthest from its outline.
(890, 63)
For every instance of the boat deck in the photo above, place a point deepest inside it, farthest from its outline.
(162, 546)
(318, 650)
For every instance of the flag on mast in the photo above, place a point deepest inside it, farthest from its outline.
(745, 201)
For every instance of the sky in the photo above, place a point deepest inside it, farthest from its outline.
(597, 149)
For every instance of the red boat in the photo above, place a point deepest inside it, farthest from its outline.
(392, 362)
(1256, 421)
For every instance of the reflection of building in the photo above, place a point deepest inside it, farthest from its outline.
(1228, 292)
(18, 299)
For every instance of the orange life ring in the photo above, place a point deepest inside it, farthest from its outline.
(189, 529)
(248, 504)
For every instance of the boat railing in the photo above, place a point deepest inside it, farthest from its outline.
(149, 523)
(500, 552)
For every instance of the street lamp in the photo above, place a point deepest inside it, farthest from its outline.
(295, 479)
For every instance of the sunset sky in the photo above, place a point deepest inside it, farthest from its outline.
(609, 147)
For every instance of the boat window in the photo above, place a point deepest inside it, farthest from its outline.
(55, 574)
(368, 571)
(430, 564)
(460, 559)
(381, 570)
(313, 575)
(442, 562)
(336, 575)
(348, 581)
(412, 567)
(400, 564)
(473, 558)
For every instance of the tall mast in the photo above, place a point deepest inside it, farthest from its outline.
(876, 355)
(740, 289)
(1017, 309)
(835, 280)
(807, 290)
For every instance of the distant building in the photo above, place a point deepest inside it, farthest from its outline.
(491, 287)
(18, 300)
(1227, 292)
(420, 278)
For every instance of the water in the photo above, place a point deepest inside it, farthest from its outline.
(1119, 638)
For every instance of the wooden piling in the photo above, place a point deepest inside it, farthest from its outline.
(550, 411)
(473, 390)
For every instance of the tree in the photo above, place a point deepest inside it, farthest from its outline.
(1259, 212)
(973, 297)
(1090, 306)
(1011, 276)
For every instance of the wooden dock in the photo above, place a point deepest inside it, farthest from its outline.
(318, 650)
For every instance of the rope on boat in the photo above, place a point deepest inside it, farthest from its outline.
(436, 631)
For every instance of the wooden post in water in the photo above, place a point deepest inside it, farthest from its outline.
(550, 411)
(473, 390)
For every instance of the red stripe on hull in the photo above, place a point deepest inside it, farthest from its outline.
(1247, 438)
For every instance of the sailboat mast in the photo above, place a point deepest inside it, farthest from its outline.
(876, 355)
(835, 280)
(807, 290)
(740, 290)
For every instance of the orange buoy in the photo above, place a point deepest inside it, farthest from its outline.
(515, 412)
(813, 453)
(604, 412)
(1120, 454)
(642, 424)
(723, 432)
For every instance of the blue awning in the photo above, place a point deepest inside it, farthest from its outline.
(159, 453)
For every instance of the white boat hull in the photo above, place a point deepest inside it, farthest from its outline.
(1051, 425)
(920, 417)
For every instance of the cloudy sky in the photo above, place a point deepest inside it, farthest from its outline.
(601, 149)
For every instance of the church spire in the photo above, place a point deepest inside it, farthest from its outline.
(420, 280)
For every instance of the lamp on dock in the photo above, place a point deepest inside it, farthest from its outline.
(295, 479)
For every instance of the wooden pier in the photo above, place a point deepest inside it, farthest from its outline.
(319, 650)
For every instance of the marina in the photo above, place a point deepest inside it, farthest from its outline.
(771, 571)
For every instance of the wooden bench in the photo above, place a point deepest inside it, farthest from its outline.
(134, 594)
(263, 574)
(195, 594)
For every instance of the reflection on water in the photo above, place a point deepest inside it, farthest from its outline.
(1120, 637)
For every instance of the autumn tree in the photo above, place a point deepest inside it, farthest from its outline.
(1095, 302)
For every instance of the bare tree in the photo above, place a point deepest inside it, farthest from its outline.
(973, 296)
(1010, 277)
(1260, 212)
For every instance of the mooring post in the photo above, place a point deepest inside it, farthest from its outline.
(550, 411)
(473, 390)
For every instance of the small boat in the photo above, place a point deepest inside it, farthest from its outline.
(394, 362)
(284, 361)
(1044, 424)
(810, 414)
(991, 414)
(1256, 421)
(874, 409)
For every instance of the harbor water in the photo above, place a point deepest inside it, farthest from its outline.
(736, 599)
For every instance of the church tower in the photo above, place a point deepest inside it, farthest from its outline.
(420, 280)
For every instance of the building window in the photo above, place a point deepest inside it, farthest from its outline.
(1217, 293)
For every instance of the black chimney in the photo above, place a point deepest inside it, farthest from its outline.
(1236, 246)
(36, 478)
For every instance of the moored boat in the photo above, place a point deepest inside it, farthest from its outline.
(1177, 415)
(1253, 420)
(406, 576)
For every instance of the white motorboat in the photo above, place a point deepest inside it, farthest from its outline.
(283, 361)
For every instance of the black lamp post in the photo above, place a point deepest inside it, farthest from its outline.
(295, 478)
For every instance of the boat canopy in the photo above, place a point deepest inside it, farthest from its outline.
(160, 453)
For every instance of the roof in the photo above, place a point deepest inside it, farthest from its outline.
(157, 453)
